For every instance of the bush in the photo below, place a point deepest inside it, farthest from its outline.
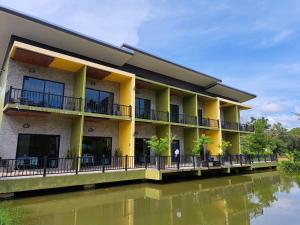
(289, 166)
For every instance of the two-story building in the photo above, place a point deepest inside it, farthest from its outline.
(63, 93)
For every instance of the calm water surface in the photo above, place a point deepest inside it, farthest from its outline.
(256, 199)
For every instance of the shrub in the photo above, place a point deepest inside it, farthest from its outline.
(289, 166)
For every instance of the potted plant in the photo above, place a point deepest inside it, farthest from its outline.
(159, 146)
(117, 157)
(201, 144)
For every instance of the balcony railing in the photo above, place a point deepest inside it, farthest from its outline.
(44, 166)
(108, 109)
(184, 119)
(246, 127)
(206, 122)
(237, 126)
(152, 115)
(229, 125)
(41, 99)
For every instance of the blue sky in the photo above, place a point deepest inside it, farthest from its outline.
(251, 45)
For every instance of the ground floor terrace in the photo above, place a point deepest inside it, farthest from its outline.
(79, 171)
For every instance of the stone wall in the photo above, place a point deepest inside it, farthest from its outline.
(103, 128)
(147, 94)
(12, 126)
(17, 71)
(103, 85)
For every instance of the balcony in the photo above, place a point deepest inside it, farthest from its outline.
(229, 125)
(206, 122)
(152, 115)
(108, 109)
(246, 127)
(184, 119)
(41, 99)
(237, 126)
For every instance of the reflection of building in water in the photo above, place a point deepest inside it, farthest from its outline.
(221, 201)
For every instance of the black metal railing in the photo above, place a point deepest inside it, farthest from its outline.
(206, 122)
(229, 125)
(246, 127)
(41, 99)
(152, 114)
(35, 166)
(184, 119)
(107, 108)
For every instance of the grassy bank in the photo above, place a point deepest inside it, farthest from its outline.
(11, 216)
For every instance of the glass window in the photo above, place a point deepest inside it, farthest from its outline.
(175, 113)
(99, 101)
(38, 145)
(42, 93)
(142, 108)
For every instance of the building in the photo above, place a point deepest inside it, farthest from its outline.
(65, 94)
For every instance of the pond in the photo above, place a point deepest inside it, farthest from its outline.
(256, 199)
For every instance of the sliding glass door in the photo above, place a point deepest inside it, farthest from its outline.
(43, 93)
(95, 148)
(99, 101)
(32, 148)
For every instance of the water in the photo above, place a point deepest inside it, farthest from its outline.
(256, 199)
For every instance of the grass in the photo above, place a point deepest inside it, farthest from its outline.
(11, 216)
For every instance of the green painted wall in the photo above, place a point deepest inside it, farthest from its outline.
(234, 138)
(190, 136)
(77, 135)
(230, 113)
(79, 85)
(3, 80)
(163, 100)
(190, 105)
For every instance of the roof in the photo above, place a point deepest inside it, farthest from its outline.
(13, 23)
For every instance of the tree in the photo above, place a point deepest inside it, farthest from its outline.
(257, 142)
(279, 138)
(199, 144)
(159, 145)
(224, 145)
(294, 139)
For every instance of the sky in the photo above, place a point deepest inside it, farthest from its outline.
(251, 45)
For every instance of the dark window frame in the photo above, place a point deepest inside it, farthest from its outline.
(53, 135)
(137, 106)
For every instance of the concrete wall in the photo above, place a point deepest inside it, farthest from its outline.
(105, 85)
(177, 100)
(13, 125)
(17, 71)
(103, 128)
(145, 130)
(179, 133)
(147, 94)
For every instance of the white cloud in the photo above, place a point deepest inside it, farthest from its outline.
(115, 22)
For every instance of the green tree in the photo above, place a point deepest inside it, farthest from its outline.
(200, 143)
(279, 138)
(294, 139)
(257, 142)
(159, 145)
(224, 145)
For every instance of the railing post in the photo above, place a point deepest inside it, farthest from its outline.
(102, 161)
(194, 164)
(45, 166)
(241, 159)
(178, 161)
(230, 159)
(76, 164)
(159, 159)
(146, 162)
(10, 94)
(126, 162)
